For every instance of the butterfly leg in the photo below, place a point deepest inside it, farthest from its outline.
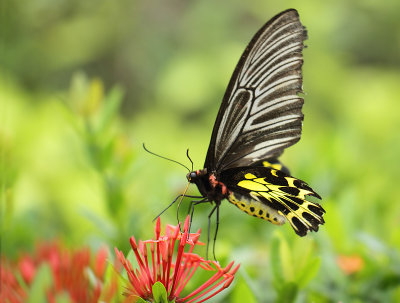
(216, 207)
(193, 203)
(179, 205)
(181, 195)
(216, 232)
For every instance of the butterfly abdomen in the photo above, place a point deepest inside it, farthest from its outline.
(256, 208)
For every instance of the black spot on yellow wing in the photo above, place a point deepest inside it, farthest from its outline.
(256, 208)
(287, 196)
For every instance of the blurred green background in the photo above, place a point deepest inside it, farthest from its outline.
(85, 83)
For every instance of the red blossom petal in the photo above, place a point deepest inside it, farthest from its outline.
(100, 262)
(174, 274)
(157, 229)
(27, 269)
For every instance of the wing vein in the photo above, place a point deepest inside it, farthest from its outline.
(260, 114)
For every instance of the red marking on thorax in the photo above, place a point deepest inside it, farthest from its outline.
(214, 183)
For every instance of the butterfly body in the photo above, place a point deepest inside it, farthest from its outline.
(208, 185)
(260, 116)
(216, 191)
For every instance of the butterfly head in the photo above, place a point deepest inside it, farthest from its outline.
(195, 175)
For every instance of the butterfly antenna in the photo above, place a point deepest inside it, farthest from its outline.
(180, 201)
(187, 154)
(157, 155)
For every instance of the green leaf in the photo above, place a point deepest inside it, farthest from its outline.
(111, 107)
(276, 262)
(63, 298)
(287, 293)
(243, 293)
(308, 272)
(42, 282)
(140, 300)
(286, 259)
(281, 260)
(159, 293)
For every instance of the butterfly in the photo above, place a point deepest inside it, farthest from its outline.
(260, 116)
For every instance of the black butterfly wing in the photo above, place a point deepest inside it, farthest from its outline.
(260, 114)
(273, 195)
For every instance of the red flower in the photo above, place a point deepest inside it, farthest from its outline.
(69, 274)
(27, 268)
(173, 274)
(10, 289)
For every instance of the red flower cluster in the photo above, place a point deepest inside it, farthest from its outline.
(10, 289)
(69, 274)
(173, 273)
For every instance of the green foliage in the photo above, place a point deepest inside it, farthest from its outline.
(42, 282)
(242, 293)
(291, 272)
(287, 293)
(83, 85)
(159, 293)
